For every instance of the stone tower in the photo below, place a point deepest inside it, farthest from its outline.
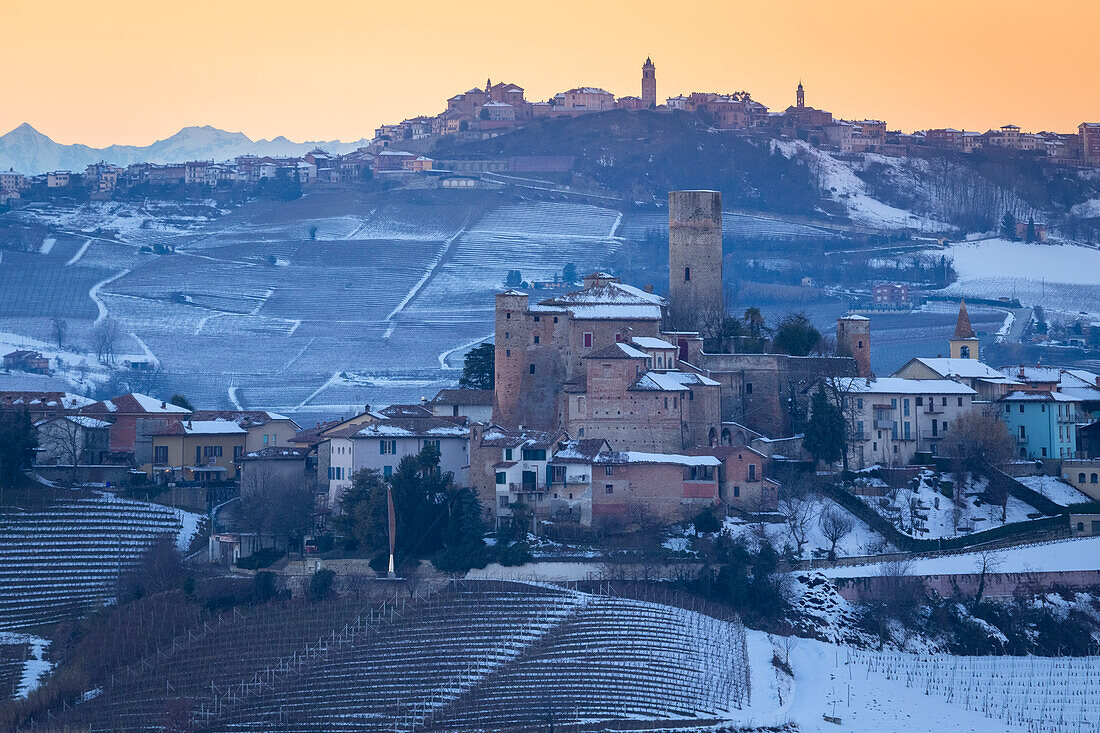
(853, 333)
(964, 345)
(508, 356)
(694, 256)
(649, 84)
(800, 96)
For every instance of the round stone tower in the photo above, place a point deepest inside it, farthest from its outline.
(694, 256)
(853, 333)
(508, 356)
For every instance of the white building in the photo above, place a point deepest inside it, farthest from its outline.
(893, 418)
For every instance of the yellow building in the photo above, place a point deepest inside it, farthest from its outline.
(198, 450)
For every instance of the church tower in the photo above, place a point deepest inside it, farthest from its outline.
(694, 256)
(649, 84)
(964, 345)
(800, 96)
(853, 333)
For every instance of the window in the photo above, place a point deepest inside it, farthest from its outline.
(434, 443)
(507, 352)
(748, 387)
(507, 454)
(160, 457)
(752, 472)
(1093, 478)
(531, 369)
(501, 478)
(238, 451)
(1021, 408)
(387, 471)
(608, 489)
(536, 319)
(265, 438)
(1081, 478)
(687, 274)
(736, 491)
(905, 407)
(504, 502)
(609, 470)
(212, 451)
(1023, 433)
(1008, 408)
(960, 402)
(387, 447)
(920, 401)
(536, 339)
(944, 403)
(534, 454)
(555, 319)
(894, 402)
(1044, 452)
(587, 340)
(859, 403)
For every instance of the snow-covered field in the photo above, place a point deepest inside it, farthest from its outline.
(921, 510)
(1060, 277)
(313, 309)
(1055, 489)
(1072, 554)
(843, 185)
(862, 540)
(35, 666)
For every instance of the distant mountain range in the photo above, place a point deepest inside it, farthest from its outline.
(28, 151)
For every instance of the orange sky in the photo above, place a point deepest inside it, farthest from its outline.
(124, 71)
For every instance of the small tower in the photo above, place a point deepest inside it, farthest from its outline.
(694, 256)
(489, 85)
(853, 334)
(800, 96)
(964, 344)
(649, 84)
(510, 340)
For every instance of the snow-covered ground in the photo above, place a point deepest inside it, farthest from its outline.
(1072, 554)
(921, 510)
(843, 185)
(36, 666)
(1059, 277)
(1055, 489)
(862, 540)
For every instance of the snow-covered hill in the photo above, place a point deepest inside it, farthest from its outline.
(30, 152)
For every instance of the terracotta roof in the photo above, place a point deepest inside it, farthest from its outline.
(407, 411)
(312, 436)
(584, 450)
(963, 329)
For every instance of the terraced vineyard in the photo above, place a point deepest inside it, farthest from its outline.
(58, 561)
(484, 654)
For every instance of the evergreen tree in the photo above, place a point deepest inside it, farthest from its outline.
(1008, 226)
(824, 438)
(796, 336)
(479, 368)
(569, 273)
(363, 511)
(17, 444)
(1030, 236)
(180, 401)
(514, 279)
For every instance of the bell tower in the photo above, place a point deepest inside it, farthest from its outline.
(964, 344)
(694, 256)
(649, 84)
(800, 96)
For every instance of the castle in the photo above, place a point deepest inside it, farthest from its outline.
(625, 365)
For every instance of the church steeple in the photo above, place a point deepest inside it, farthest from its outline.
(964, 344)
(488, 85)
(800, 96)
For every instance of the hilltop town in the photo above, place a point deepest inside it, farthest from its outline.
(412, 145)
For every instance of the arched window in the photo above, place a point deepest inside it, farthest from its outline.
(687, 274)
(964, 352)
(1080, 478)
(713, 437)
(1093, 478)
(727, 439)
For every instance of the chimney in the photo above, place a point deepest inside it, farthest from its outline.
(423, 400)
(649, 288)
(163, 405)
(366, 408)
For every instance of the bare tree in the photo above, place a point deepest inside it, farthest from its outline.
(105, 339)
(59, 329)
(988, 563)
(836, 524)
(274, 504)
(63, 440)
(800, 509)
(976, 439)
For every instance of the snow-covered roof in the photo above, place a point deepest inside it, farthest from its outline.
(612, 300)
(650, 342)
(412, 428)
(203, 427)
(87, 422)
(136, 402)
(901, 386)
(629, 456)
(964, 368)
(1039, 397)
(671, 381)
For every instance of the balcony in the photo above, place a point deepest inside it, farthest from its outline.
(929, 435)
(884, 424)
(522, 488)
(933, 409)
